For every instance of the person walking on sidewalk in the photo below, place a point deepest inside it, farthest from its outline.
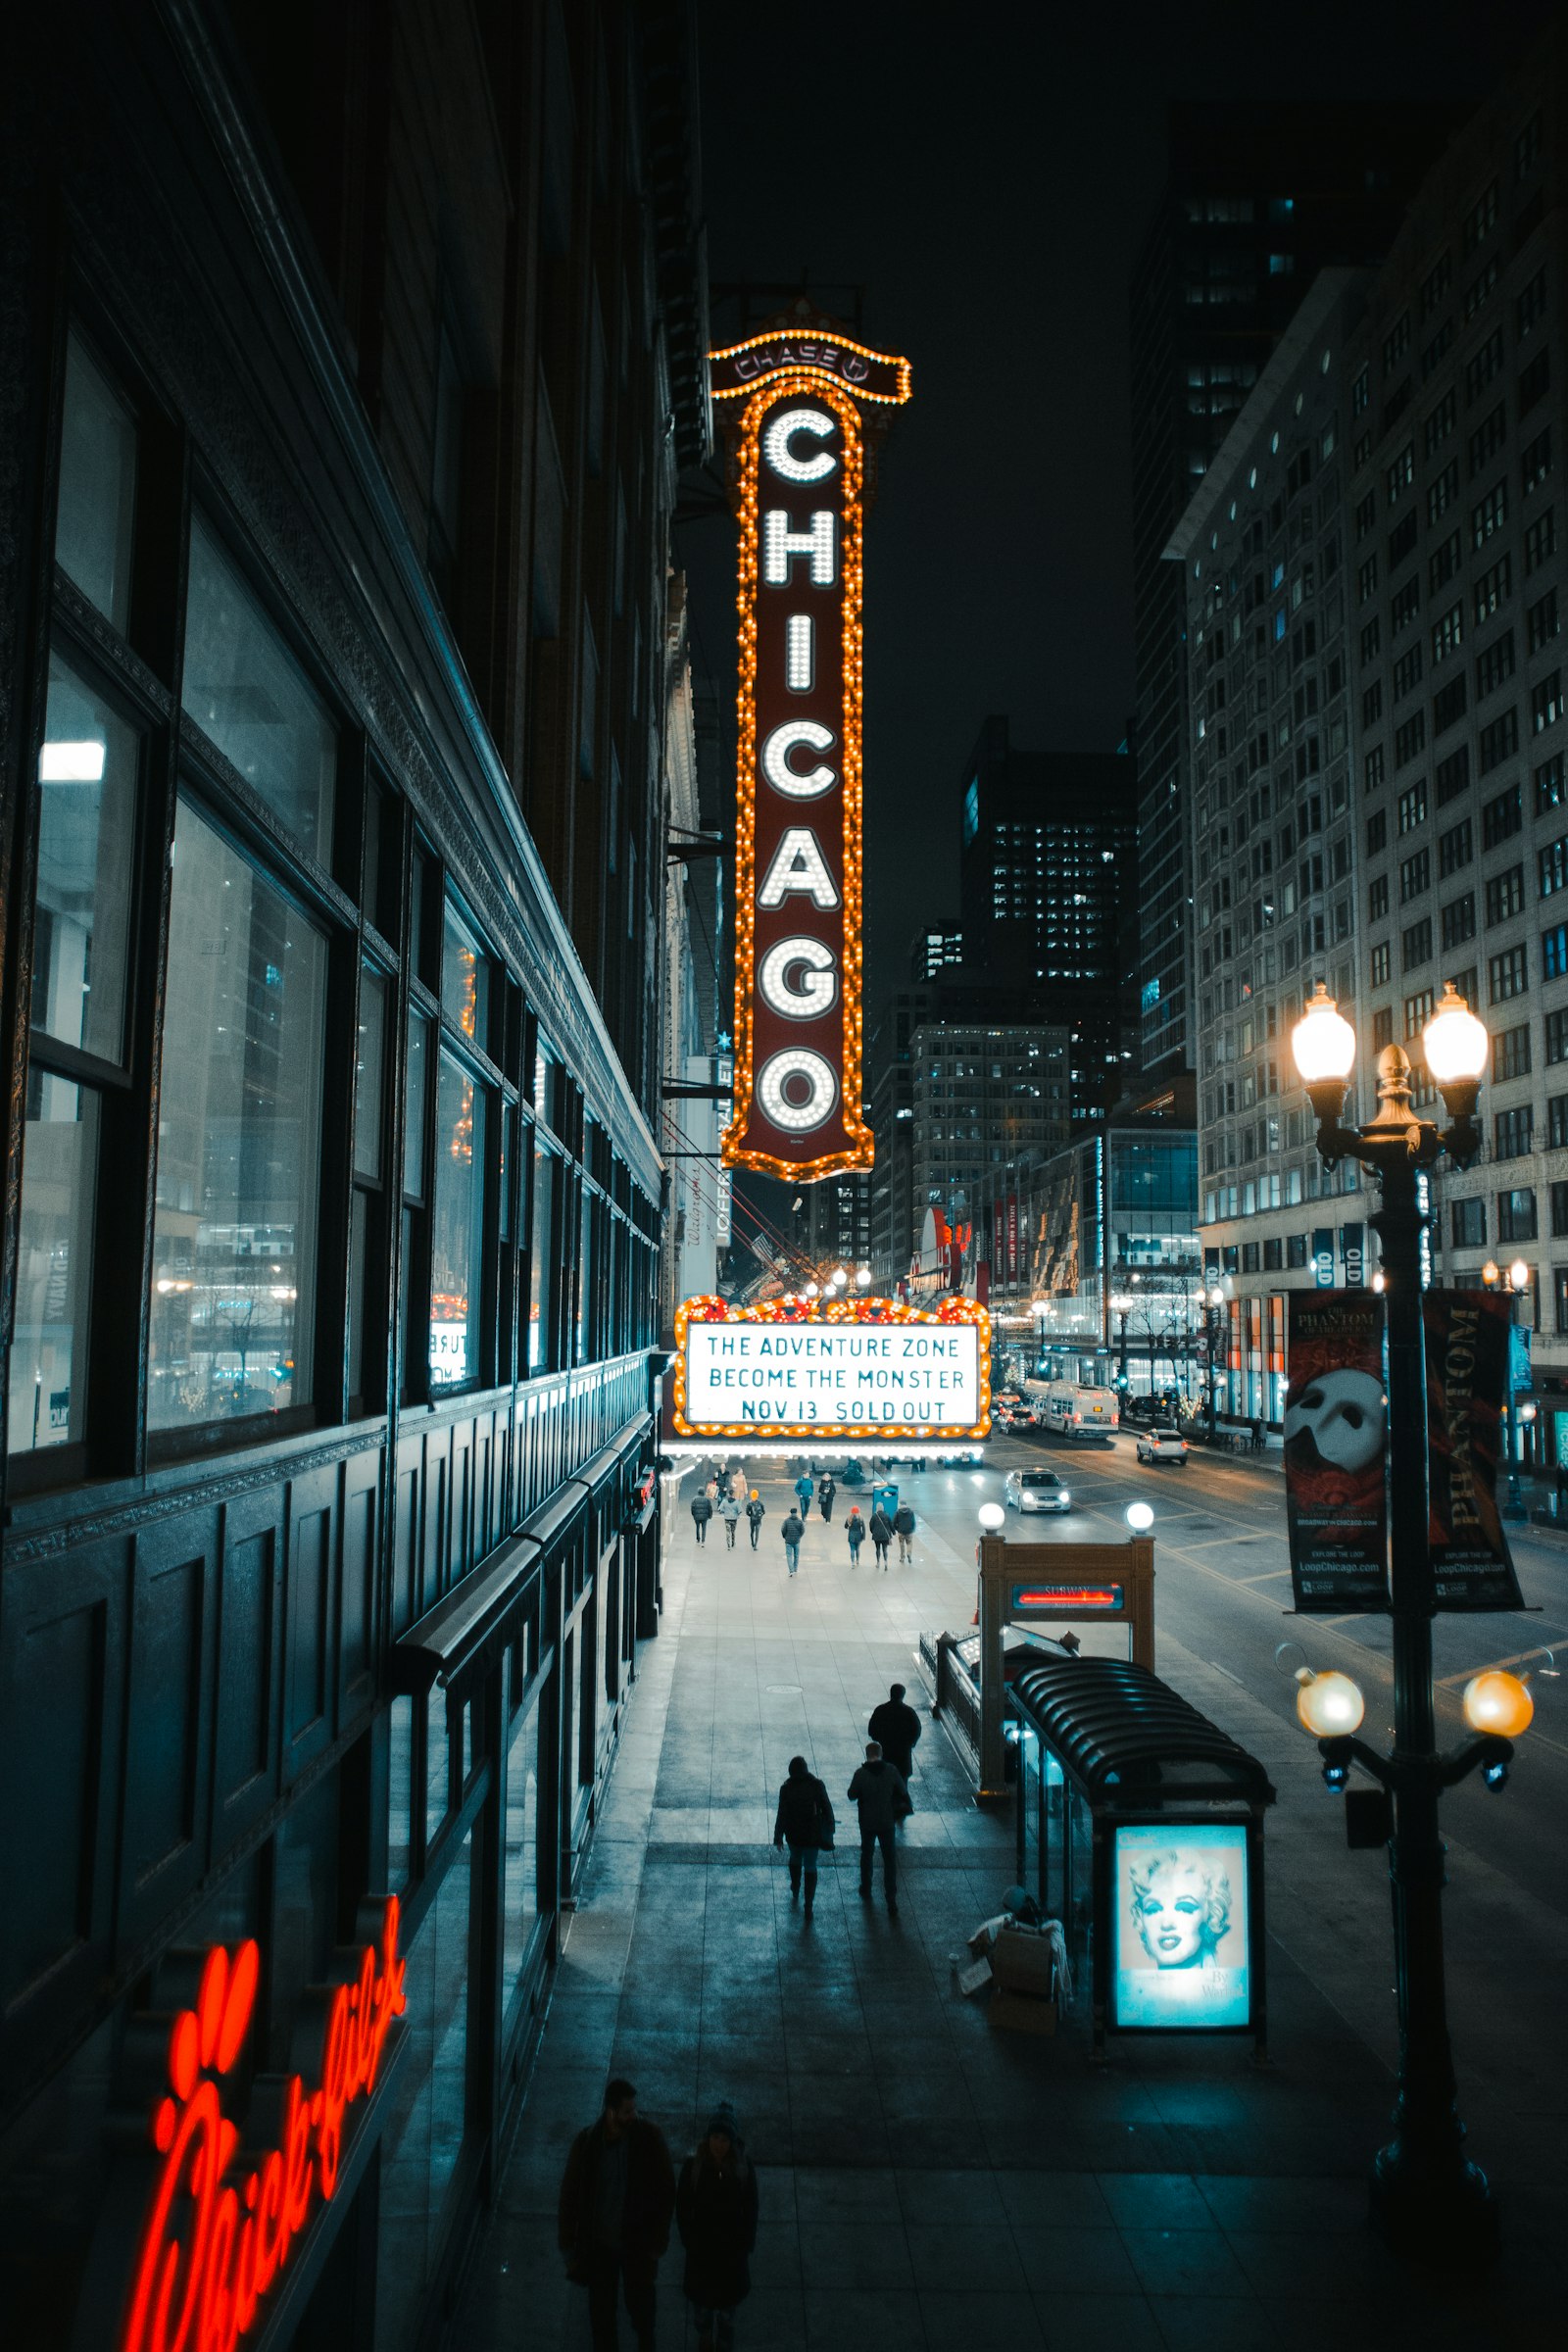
(805, 1824)
(792, 1530)
(881, 1534)
(882, 1800)
(702, 1512)
(756, 1512)
(737, 1483)
(617, 2194)
(903, 1529)
(715, 2213)
(896, 1727)
(805, 1490)
(825, 1492)
(729, 1510)
(855, 1534)
(711, 1489)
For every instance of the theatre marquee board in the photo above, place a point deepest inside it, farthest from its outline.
(869, 1368)
(798, 438)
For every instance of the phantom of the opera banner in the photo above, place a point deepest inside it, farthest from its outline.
(1336, 1429)
(1468, 1335)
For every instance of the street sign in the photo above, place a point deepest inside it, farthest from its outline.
(1323, 1258)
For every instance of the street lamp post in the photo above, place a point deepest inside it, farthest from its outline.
(1426, 2195)
(1517, 1282)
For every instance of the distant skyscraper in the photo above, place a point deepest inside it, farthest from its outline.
(1048, 853)
(1258, 199)
(934, 951)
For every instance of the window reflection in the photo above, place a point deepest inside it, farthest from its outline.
(244, 688)
(465, 976)
(541, 1267)
(457, 1255)
(97, 488)
(88, 777)
(239, 1143)
(426, 2129)
(520, 1889)
(54, 1265)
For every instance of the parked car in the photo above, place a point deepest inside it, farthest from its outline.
(1035, 1491)
(1161, 1446)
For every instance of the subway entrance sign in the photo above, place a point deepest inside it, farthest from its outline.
(869, 1368)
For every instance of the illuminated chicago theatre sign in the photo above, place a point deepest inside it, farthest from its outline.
(869, 1368)
(798, 440)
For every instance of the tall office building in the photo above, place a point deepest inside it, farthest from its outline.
(936, 952)
(890, 1070)
(1258, 199)
(991, 1096)
(1048, 856)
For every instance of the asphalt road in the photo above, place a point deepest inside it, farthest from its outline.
(1223, 1590)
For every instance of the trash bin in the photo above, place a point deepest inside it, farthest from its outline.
(1140, 1825)
(885, 1498)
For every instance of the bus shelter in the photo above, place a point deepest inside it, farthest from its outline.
(1140, 1827)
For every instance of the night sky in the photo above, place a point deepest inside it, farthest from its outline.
(990, 189)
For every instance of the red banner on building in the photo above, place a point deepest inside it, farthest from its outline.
(800, 450)
(1468, 1336)
(1335, 1433)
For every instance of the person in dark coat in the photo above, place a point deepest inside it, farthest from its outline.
(756, 1512)
(881, 1534)
(855, 1534)
(805, 1822)
(896, 1727)
(702, 1512)
(879, 1794)
(715, 2213)
(792, 1530)
(825, 1492)
(903, 1529)
(617, 2194)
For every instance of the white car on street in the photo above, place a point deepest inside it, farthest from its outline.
(1035, 1491)
(1161, 1446)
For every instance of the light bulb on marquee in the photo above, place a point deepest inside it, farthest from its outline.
(799, 442)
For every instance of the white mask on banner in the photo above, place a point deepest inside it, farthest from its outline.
(1341, 1417)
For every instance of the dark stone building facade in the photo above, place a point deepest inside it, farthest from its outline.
(348, 359)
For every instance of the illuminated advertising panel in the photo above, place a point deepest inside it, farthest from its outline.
(867, 1368)
(800, 480)
(1180, 1928)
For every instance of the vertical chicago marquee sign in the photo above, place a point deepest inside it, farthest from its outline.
(798, 440)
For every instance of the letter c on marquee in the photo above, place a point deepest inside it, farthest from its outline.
(776, 750)
(817, 993)
(781, 431)
(797, 1061)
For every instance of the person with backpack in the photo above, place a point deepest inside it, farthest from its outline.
(882, 1800)
(729, 1510)
(881, 1534)
(855, 1533)
(903, 1529)
(702, 1512)
(756, 1512)
(825, 1492)
(804, 1823)
(896, 1727)
(793, 1528)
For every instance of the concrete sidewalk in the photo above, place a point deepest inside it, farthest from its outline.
(925, 2179)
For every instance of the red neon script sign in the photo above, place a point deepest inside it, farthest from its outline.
(212, 2247)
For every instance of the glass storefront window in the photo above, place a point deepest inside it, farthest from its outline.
(54, 1265)
(540, 1269)
(400, 1782)
(97, 488)
(240, 1142)
(465, 976)
(369, 1063)
(438, 1764)
(520, 1882)
(244, 688)
(414, 1106)
(456, 1254)
(87, 780)
(426, 2129)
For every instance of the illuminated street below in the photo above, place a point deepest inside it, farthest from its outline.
(923, 2173)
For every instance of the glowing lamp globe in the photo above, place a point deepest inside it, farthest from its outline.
(1328, 1706)
(1499, 1702)
(1455, 1044)
(1139, 1518)
(1323, 1043)
(993, 1518)
(1519, 1275)
(863, 1279)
